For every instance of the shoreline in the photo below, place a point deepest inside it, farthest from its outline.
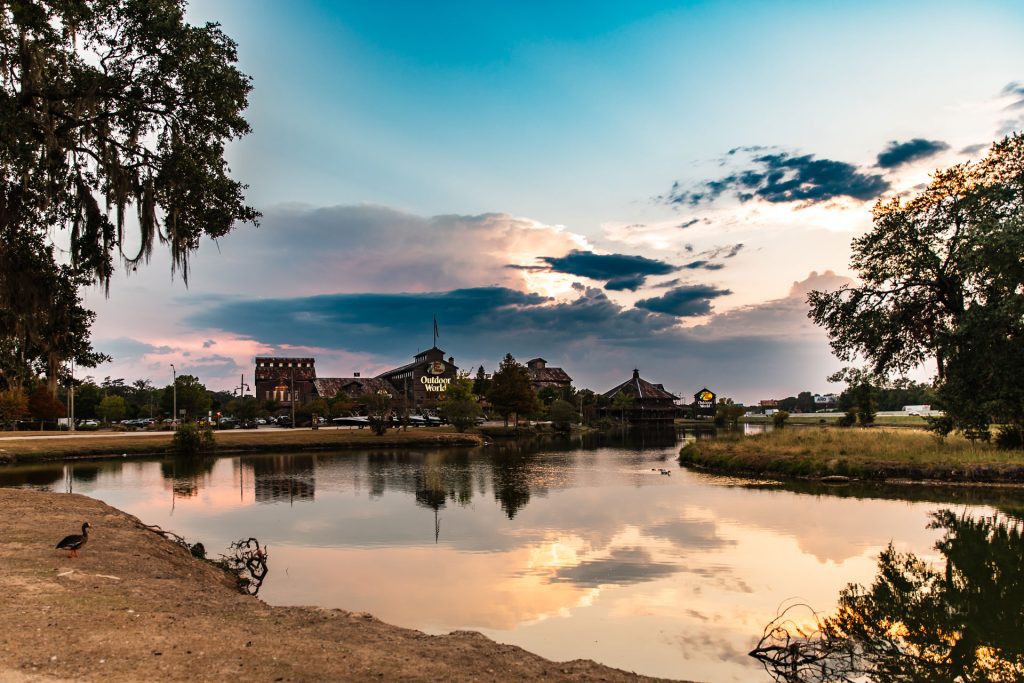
(35, 449)
(137, 606)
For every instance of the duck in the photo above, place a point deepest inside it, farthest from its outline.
(74, 542)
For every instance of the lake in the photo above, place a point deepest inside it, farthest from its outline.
(571, 549)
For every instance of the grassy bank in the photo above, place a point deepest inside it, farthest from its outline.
(832, 419)
(876, 453)
(37, 448)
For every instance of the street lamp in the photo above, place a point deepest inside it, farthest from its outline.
(174, 393)
(240, 391)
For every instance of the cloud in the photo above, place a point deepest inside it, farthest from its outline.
(781, 177)
(975, 149)
(704, 265)
(785, 317)
(126, 349)
(624, 566)
(622, 271)
(689, 223)
(208, 343)
(685, 301)
(1014, 91)
(897, 154)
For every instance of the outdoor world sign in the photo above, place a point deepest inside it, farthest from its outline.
(705, 400)
(438, 384)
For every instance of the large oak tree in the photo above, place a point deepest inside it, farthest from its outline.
(943, 278)
(115, 115)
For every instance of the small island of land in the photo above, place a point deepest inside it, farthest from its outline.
(135, 606)
(875, 454)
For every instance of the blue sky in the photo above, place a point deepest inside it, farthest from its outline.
(429, 148)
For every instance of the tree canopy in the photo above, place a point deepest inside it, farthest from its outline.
(105, 106)
(510, 391)
(941, 280)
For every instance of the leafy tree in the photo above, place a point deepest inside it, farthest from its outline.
(458, 405)
(510, 392)
(481, 383)
(728, 412)
(563, 415)
(87, 399)
(111, 408)
(192, 397)
(378, 410)
(13, 405)
(622, 402)
(106, 105)
(547, 395)
(43, 406)
(941, 280)
(780, 419)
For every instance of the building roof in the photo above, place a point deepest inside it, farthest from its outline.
(548, 375)
(641, 389)
(353, 387)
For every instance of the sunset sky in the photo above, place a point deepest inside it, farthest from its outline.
(607, 185)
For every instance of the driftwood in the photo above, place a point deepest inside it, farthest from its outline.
(248, 561)
(793, 651)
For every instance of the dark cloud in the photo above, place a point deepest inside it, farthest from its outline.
(208, 343)
(782, 177)
(897, 154)
(631, 283)
(1014, 90)
(621, 271)
(624, 567)
(126, 349)
(685, 301)
(702, 264)
(689, 223)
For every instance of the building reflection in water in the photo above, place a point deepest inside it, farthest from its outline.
(281, 478)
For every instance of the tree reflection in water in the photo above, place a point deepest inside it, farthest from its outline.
(963, 621)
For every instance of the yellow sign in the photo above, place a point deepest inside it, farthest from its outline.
(438, 384)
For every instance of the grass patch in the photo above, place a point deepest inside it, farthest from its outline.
(876, 453)
(229, 441)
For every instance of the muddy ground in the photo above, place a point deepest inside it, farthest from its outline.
(137, 607)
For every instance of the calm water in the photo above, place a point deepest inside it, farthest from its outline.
(576, 549)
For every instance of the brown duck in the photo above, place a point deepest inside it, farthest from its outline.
(74, 542)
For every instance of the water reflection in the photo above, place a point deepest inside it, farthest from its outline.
(570, 548)
(956, 619)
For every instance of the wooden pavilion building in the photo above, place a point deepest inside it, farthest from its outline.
(648, 402)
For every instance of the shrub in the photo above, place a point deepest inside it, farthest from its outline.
(191, 441)
(779, 419)
(1010, 437)
(563, 415)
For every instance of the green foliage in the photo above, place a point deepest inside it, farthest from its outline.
(105, 106)
(459, 406)
(622, 402)
(189, 440)
(1010, 437)
(728, 412)
(193, 397)
(780, 418)
(563, 415)
(481, 383)
(941, 280)
(111, 408)
(510, 391)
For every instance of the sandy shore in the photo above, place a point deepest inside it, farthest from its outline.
(137, 607)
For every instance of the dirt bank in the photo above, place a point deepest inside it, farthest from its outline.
(136, 607)
(37, 448)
